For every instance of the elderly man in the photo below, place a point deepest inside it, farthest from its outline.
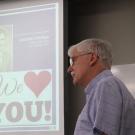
(109, 107)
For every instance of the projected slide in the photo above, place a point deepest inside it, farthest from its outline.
(29, 69)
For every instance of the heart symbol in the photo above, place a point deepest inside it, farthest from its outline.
(37, 82)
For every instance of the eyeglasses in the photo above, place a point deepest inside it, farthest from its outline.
(72, 59)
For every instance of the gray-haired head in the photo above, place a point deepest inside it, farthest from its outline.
(100, 47)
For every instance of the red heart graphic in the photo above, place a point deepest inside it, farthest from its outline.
(37, 82)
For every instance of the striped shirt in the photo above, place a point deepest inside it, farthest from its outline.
(109, 108)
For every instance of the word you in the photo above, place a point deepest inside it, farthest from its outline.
(16, 111)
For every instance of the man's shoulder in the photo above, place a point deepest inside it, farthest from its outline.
(109, 87)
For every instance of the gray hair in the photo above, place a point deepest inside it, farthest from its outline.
(100, 47)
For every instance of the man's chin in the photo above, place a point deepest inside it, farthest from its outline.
(76, 83)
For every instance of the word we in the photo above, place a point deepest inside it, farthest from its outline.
(9, 87)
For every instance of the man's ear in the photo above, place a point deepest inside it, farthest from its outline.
(93, 59)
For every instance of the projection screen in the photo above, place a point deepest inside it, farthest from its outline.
(31, 67)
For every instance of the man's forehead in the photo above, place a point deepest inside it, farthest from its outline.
(74, 52)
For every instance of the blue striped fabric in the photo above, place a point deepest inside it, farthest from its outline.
(109, 108)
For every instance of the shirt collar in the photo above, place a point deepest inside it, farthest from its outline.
(100, 76)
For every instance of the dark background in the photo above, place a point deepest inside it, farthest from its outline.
(112, 20)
